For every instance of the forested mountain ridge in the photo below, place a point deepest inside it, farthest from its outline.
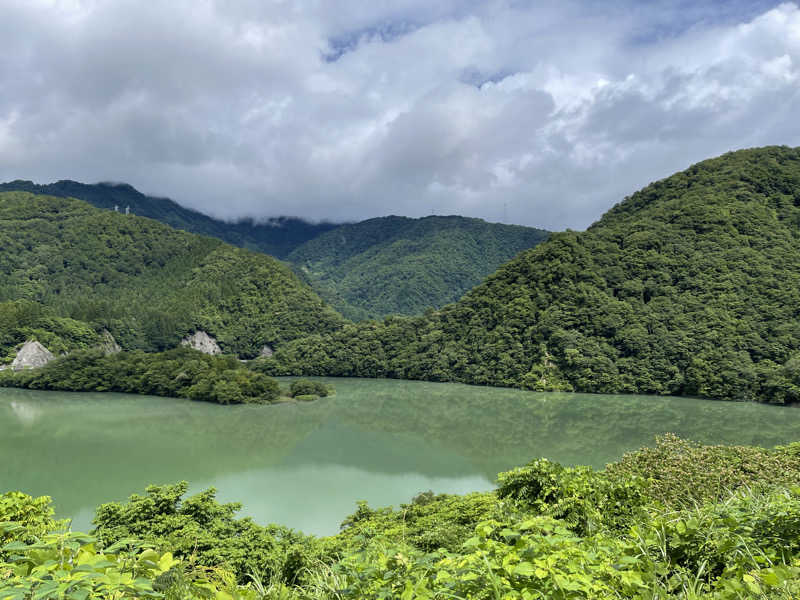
(277, 236)
(690, 286)
(400, 265)
(368, 269)
(68, 271)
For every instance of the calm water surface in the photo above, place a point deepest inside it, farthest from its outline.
(305, 465)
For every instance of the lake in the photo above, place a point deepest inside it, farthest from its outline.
(305, 465)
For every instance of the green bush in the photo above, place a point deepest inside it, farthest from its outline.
(681, 473)
(306, 387)
(69, 566)
(33, 517)
(584, 499)
(201, 528)
(721, 537)
(428, 523)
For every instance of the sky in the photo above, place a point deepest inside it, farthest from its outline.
(537, 113)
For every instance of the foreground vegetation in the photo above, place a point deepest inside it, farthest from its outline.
(676, 521)
(688, 287)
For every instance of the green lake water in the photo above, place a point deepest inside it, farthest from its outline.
(305, 465)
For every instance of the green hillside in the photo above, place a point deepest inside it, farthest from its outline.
(398, 265)
(277, 236)
(388, 265)
(691, 286)
(68, 271)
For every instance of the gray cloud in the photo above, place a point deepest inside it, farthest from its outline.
(542, 115)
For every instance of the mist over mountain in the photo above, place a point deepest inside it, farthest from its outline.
(276, 236)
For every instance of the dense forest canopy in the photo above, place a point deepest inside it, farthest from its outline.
(179, 373)
(690, 286)
(70, 270)
(369, 269)
(398, 265)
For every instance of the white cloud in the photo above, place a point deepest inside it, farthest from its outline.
(348, 110)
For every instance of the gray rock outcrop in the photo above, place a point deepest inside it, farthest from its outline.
(31, 356)
(266, 351)
(203, 342)
(108, 344)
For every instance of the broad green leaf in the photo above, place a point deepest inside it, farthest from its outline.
(525, 569)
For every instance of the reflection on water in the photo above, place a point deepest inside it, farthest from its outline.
(305, 465)
(294, 494)
(26, 412)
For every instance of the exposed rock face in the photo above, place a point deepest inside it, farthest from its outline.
(31, 355)
(266, 351)
(108, 344)
(203, 342)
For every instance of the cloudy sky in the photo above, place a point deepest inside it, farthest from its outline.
(538, 113)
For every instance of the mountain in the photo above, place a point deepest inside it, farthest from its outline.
(400, 265)
(277, 236)
(69, 270)
(690, 286)
(368, 269)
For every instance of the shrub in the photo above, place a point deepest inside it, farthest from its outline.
(69, 565)
(200, 528)
(584, 499)
(429, 522)
(682, 473)
(33, 517)
(306, 387)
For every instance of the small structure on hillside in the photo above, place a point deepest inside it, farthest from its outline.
(203, 342)
(31, 356)
(266, 351)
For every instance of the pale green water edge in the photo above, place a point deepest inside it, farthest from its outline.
(305, 465)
